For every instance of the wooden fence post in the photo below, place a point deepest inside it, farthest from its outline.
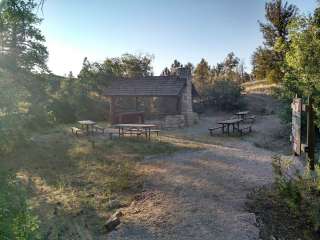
(311, 134)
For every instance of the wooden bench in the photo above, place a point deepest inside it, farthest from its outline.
(213, 129)
(246, 129)
(251, 118)
(134, 131)
(157, 131)
(98, 128)
(76, 131)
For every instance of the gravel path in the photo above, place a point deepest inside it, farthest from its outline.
(198, 195)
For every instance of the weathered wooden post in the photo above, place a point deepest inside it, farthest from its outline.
(296, 125)
(310, 134)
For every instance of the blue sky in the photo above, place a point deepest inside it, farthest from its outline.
(187, 30)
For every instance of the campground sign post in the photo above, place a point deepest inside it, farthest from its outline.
(296, 125)
(298, 147)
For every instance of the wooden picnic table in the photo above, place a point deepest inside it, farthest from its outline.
(235, 123)
(242, 115)
(87, 124)
(146, 129)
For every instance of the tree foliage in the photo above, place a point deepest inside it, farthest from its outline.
(201, 76)
(81, 97)
(23, 59)
(268, 60)
(21, 41)
(302, 61)
(224, 95)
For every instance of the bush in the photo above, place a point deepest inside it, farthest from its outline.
(225, 95)
(16, 219)
(66, 110)
(290, 209)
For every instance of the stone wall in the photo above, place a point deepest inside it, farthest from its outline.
(174, 121)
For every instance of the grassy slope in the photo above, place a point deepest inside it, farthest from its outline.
(73, 185)
(259, 86)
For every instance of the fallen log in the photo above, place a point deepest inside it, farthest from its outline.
(113, 221)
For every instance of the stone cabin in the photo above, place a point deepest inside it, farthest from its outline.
(175, 93)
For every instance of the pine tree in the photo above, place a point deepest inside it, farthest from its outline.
(21, 41)
(165, 72)
(268, 60)
(201, 76)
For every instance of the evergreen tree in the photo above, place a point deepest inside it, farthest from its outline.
(268, 60)
(201, 76)
(230, 63)
(176, 64)
(136, 65)
(165, 72)
(190, 66)
(21, 41)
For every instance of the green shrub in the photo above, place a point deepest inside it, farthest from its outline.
(66, 110)
(12, 133)
(290, 209)
(225, 95)
(16, 219)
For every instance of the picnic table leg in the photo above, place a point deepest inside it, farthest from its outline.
(228, 129)
(149, 133)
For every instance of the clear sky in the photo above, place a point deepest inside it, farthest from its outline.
(187, 30)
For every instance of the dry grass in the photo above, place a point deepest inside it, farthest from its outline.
(259, 86)
(74, 185)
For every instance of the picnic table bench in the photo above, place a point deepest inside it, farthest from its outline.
(242, 115)
(76, 130)
(88, 125)
(99, 128)
(137, 129)
(211, 130)
(235, 123)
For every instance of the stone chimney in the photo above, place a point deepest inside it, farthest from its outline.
(186, 97)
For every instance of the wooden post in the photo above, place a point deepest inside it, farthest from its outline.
(296, 125)
(311, 134)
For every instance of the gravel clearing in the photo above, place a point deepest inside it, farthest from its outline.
(198, 194)
(201, 194)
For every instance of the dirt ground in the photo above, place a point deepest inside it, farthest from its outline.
(201, 194)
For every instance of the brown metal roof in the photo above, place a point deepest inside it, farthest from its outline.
(146, 86)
